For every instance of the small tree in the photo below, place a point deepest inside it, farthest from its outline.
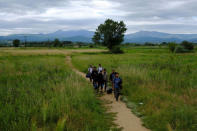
(187, 45)
(16, 43)
(57, 42)
(110, 34)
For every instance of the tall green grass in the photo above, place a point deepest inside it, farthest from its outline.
(162, 85)
(42, 93)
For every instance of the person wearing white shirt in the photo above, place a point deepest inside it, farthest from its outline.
(100, 68)
(90, 69)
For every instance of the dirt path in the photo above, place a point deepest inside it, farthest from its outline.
(124, 118)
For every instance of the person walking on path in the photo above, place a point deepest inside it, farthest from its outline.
(94, 76)
(100, 81)
(90, 69)
(111, 78)
(117, 85)
(105, 78)
(100, 68)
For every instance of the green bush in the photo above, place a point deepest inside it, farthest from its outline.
(16, 43)
(172, 46)
(116, 50)
(181, 49)
(188, 45)
(91, 46)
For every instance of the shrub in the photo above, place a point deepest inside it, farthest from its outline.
(188, 45)
(172, 46)
(91, 46)
(16, 43)
(116, 50)
(181, 49)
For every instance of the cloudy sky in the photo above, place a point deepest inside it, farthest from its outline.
(43, 16)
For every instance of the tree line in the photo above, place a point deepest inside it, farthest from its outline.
(55, 43)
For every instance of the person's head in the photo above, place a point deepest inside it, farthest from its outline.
(91, 66)
(99, 65)
(94, 67)
(116, 74)
(113, 70)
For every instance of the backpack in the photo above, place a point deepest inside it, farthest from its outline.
(88, 75)
(109, 90)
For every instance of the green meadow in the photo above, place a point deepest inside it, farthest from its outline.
(40, 92)
(159, 86)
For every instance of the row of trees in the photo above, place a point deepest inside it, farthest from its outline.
(55, 43)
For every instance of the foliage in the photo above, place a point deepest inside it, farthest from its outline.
(181, 49)
(16, 43)
(188, 45)
(149, 44)
(116, 50)
(172, 46)
(57, 43)
(110, 34)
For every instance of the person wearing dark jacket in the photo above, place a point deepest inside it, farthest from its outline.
(105, 78)
(117, 86)
(94, 76)
(111, 78)
(100, 81)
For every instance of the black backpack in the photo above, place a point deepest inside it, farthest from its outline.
(109, 90)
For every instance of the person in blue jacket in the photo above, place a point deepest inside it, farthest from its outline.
(117, 82)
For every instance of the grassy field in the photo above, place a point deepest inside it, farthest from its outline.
(40, 92)
(162, 85)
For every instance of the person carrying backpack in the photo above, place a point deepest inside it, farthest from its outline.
(90, 69)
(111, 78)
(117, 86)
(105, 76)
(94, 76)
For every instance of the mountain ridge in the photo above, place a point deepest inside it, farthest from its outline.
(86, 36)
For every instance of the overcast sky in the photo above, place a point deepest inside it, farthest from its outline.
(43, 16)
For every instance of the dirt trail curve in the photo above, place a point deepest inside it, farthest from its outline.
(124, 118)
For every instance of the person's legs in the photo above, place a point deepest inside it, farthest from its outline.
(105, 85)
(100, 86)
(95, 85)
(116, 93)
(90, 79)
(112, 86)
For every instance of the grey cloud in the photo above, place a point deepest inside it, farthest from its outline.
(173, 16)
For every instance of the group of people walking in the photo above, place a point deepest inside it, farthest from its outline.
(99, 78)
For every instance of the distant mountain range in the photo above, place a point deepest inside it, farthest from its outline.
(86, 36)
